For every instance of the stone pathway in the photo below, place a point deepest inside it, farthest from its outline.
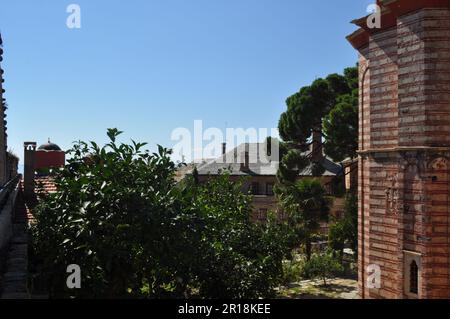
(15, 278)
(337, 288)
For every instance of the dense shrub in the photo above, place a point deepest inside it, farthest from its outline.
(307, 204)
(322, 266)
(292, 271)
(135, 232)
(344, 231)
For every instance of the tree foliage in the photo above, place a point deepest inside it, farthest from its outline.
(135, 232)
(307, 204)
(345, 230)
(322, 266)
(340, 127)
(239, 258)
(326, 107)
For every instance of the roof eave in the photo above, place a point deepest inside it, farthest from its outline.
(390, 11)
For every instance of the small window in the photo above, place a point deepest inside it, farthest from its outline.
(262, 214)
(414, 278)
(255, 188)
(269, 189)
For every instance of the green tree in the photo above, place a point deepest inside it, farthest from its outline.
(322, 266)
(340, 128)
(351, 221)
(237, 257)
(111, 203)
(307, 204)
(119, 214)
(345, 229)
(302, 123)
(337, 237)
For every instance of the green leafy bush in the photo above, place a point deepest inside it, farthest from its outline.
(345, 230)
(119, 214)
(292, 271)
(307, 204)
(322, 266)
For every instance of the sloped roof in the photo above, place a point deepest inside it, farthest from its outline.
(390, 11)
(25, 206)
(44, 184)
(258, 165)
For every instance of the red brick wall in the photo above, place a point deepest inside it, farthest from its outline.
(363, 169)
(383, 89)
(404, 165)
(436, 230)
(49, 159)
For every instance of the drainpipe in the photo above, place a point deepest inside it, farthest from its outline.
(363, 271)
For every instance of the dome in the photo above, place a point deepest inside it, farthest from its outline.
(49, 147)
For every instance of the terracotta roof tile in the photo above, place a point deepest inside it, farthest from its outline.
(26, 204)
(45, 184)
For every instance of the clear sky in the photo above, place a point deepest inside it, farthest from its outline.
(150, 66)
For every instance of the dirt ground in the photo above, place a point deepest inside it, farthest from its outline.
(337, 288)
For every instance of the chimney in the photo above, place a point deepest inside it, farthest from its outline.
(224, 148)
(29, 158)
(245, 164)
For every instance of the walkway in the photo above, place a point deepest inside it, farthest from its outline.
(15, 278)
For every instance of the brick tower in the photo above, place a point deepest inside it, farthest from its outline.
(404, 164)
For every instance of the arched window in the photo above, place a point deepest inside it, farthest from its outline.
(414, 278)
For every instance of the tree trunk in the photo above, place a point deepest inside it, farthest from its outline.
(308, 250)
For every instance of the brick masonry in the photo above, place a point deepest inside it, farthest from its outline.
(404, 164)
(3, 145)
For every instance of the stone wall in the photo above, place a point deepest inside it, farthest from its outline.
(3, 165)
(383, 90)
(7, 202)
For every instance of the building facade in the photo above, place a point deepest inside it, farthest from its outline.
(404, 163)
(248, 162)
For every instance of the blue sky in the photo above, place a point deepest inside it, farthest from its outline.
(150, 66)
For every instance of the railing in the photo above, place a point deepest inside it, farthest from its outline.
(6, 190)
(8, 195)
